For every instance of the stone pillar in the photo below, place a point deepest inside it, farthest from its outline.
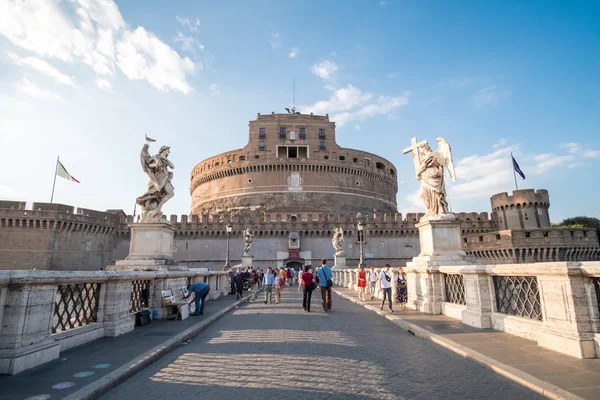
(479, 297)
(117, 318)
(567, 321)
(340, 260)
(247, 261)
(165, 281)
(25, 333)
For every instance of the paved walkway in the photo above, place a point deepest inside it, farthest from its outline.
(280, 352)
(89, 363)
(518, 356)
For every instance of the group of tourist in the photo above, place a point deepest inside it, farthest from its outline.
(307, 279)
(386, 279)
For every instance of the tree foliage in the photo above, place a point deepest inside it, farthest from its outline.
(582, 222)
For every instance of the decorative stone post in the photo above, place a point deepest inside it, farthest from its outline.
(117, 301)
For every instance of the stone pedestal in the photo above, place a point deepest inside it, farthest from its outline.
(440, 246)
(339, 261)
(151, 249)
(247, 261)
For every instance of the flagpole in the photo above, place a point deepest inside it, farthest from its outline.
(54, 183)
(513, 168)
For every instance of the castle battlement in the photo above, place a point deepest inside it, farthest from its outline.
(521, 198)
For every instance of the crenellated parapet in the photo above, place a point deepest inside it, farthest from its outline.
(60, 217)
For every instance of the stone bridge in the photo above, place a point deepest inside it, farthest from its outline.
(470, 332)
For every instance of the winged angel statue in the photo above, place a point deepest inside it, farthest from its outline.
(160, 188)
(429, 166)
(337, 241)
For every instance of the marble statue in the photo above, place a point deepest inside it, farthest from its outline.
(247, 241)
(337, 241)
(160, 189)
(429, 166)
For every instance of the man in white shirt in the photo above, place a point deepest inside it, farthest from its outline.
(385, 278)
(372, 278)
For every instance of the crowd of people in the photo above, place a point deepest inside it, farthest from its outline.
(307, 280)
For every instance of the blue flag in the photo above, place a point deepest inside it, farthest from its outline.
(517, 168)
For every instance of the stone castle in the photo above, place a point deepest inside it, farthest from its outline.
(291, 185)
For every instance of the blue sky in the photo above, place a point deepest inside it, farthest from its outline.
(86, 79)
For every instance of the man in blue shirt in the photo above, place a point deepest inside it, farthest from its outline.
(200, 290)
(325, 275)
(268, 281)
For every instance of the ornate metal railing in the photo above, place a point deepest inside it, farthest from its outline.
(75, 305)
(597, 287)
(454, 287)
(140, 295)
(518, 295)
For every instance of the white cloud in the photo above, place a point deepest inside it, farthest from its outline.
(488, 95)
(190, 23)
(275, 40)
(141, 55)
(500, 143)
(576, 148)
(8, 193)
(188, 43)
(43, 67)
(93, 32)
(545, 162)
(351, 103)
(214, 88)
(103, 84)
(30, 89)
(324, 69)
(294, 52)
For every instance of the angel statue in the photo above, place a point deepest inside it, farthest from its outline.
(429, 166)
(160, 189)
(337, 241)
(247, 241)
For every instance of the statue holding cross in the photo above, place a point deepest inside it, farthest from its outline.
(429, 167)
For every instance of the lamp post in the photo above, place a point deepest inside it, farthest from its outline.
(229, 228)
(360, 224)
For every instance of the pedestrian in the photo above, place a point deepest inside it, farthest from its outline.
(373, 277)
(268, 281)
(300, 272)
(362, 283)
(288, 277)
(253, 282)
(386, 286)
(401, 292)
(324, 274)
(200, 290)
(232, 280)
(307, 282)
(279, 285)
(240, 277)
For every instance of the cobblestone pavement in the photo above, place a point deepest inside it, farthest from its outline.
(278, 351)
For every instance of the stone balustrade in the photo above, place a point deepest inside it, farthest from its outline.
(45, 312)
(556, 304)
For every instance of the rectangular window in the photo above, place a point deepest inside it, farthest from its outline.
(321, 133)
(262, 133)
(261, 145)
(302, 133)
(367, 161)
(292, 152)
(281, 132)
(321, 145)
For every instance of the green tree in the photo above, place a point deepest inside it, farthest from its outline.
(582, 222)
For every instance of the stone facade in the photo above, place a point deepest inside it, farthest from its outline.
(293, 163)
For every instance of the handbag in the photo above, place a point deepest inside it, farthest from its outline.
(313, 286)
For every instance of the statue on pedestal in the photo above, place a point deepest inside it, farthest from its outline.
(429, 166)
(247, 242)
(160, 189)
(337, 241)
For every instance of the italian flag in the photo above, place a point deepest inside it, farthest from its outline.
(62, 172)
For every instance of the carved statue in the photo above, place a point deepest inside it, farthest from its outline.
(337, 241)
(160, 189)
(247, 241)
(429, 166)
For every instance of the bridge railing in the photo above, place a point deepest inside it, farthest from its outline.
(45, 312)
(555, 304)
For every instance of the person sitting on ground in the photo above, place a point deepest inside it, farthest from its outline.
(200, 290)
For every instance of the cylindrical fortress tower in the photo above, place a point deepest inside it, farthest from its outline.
(525, 209)
(293, 163)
